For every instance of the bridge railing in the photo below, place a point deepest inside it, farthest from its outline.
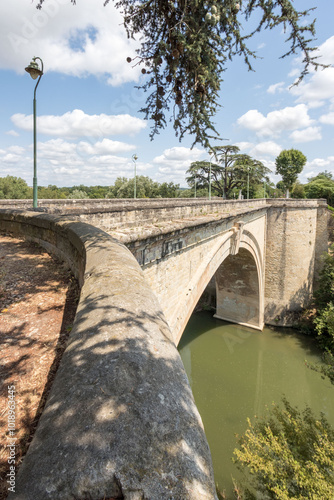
(120, 420)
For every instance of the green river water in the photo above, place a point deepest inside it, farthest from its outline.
(234, 372)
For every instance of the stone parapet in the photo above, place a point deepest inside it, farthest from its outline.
(120, 421)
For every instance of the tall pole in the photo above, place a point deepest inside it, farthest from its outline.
(134, 159)
(34, 181)
(247, 183)
(195, 184)
(35, 72)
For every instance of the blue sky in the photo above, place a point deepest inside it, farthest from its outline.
(88, 121)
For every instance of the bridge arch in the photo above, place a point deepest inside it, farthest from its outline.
(239, 255)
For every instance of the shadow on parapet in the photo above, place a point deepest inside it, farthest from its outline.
(120, 421)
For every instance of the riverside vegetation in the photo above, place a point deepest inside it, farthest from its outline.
(289, 454)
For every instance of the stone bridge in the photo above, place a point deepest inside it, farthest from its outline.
(258, 259)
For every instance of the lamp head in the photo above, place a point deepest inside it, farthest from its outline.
(33, 69)
(135, 157)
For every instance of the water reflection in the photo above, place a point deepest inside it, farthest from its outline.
(235, 372)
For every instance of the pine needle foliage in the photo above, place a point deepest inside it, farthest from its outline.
(185, 45)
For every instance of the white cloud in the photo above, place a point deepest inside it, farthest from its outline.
(73, 40)
(320, 163)
(66, 163)
(57, 150)
(178, 157)
(327, 119)
(11, 158)
(295, 72)
(106, 146)
(13, 133)
(289, 118)
(319, 88)
(77, 124)
(317, 165)
(16, 150)
(267, 148)
(320, 85)
(307, 135)
(244, 146)
(276, 87)
(174, 162)
(326, 51)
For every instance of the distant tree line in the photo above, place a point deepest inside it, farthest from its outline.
(16, 188)
(233, 175)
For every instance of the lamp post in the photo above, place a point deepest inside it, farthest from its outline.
(35, 72)
(195, 184)
(247, 183)
(134, 159)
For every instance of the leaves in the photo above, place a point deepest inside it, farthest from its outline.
(185, 46)
(13, 188)
(289, 454)
(229, 170)
(321, 187)
(145, 188)
(289, 163)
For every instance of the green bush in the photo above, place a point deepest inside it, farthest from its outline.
(324, 326)
(288, 455)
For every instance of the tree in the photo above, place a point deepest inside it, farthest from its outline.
(14, 188)
(289, 163)
(77, 194)
(145, 188)
(169, 190)
(51, 192)
(231, 171)
(280, 189)
(298, 190)
(321, 186)
(321, 316)
(289, 454)
(186, 45)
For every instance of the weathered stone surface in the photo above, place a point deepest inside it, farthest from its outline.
(296, 239)
(120, 420)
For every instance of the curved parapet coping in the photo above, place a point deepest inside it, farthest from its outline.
(120, 421)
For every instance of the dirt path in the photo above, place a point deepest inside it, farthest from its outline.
(38, 299)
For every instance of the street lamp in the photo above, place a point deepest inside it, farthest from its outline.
(35, 72)
(195, 183)
(247, 183)
(134, 159)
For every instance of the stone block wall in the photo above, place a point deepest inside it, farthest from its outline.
(296, 239)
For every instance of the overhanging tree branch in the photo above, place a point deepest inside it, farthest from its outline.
(185, 46)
